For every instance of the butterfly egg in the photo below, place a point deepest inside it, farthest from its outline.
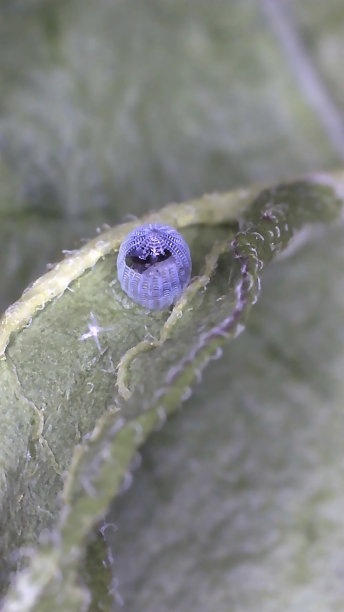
(154, 265)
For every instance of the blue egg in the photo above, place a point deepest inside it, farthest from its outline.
(154, 265)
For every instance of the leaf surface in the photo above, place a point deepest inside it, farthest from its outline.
(81, 356)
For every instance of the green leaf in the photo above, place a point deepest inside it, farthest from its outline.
(115, 108)
(78, 356)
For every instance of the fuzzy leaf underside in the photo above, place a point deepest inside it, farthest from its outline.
(75, 408)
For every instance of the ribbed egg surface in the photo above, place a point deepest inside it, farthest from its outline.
(154, 265)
